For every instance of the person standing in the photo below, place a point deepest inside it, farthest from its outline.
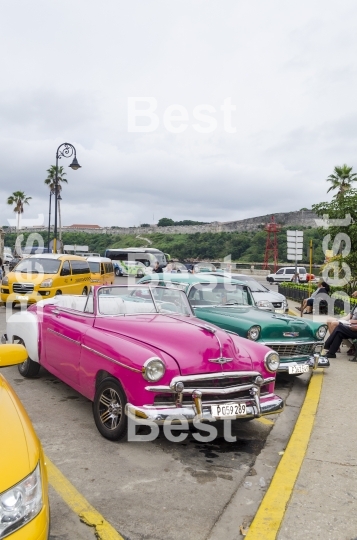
(157, 268)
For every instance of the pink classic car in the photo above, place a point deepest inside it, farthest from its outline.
(140, 352)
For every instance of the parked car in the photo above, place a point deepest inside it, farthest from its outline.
(287, 274)
(264, 296)
(128, 348)
(229, 303)
(7, 258)
(14, 262)
(44, 276)
(102, 270)
(24, 506)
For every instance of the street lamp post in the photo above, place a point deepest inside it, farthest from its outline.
(64, 150)
(49, 221)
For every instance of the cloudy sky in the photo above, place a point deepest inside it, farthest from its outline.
(68, 69)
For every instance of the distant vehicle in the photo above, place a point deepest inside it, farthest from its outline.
(118, 269)
(147, 256)
(204, 267)
(264, 296)
(287, 274)
(176, 267)
(134, 268)
(7, 258)
(102, 270)
(14, 261)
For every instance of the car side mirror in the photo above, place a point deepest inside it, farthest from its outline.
(65, 272)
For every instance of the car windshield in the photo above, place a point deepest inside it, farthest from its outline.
(94, 267)
(220, 294)
(38, 266)
(138, 299)
(254, 285)
(205, 267)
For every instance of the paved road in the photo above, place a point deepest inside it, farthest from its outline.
(147, 490)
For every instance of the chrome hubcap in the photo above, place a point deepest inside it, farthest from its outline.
(110, 409)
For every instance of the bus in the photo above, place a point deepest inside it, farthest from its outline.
(147, 256)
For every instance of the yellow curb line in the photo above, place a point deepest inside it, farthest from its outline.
(80, 505)
(269, 517)
(293, 313)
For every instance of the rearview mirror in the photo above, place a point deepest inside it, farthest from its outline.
(10, 355)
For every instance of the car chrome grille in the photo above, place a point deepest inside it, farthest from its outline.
(214, 383)
(23, 288)
(277, 304)
(288, 350)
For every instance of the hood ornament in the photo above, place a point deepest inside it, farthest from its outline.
(220, 360)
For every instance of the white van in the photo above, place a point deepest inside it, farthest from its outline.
(287, 274)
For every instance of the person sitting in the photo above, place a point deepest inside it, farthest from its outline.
(308, 303)
(157, 268)
(344, 330)
(352, 315)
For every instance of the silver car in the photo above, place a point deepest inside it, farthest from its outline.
(264, 296)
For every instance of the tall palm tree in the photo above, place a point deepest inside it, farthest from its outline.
(51, 182)
(18, 198)
(341, 179)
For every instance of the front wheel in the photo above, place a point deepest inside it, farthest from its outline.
(109, 410)
(139, 275)
(117, 272)
(29, 368)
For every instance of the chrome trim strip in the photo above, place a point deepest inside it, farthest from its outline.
(110, 359)
(62, 336)
(272, 343)
(209, 376)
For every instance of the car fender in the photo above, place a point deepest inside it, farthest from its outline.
(24, 325)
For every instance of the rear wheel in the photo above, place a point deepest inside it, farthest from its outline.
(117, 272)
(85, 291)
(58, 293)
(109, 409)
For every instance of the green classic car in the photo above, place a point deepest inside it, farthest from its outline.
(229, 304)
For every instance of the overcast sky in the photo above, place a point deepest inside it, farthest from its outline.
(69, 67)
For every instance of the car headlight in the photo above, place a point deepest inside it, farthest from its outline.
(5, 281)
(265, 304)
(253, 333)
(272, 361)
(321, 332)
(47, 283)
(153, 369)
(21, 503)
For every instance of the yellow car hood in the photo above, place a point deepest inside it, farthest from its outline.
(19, 445)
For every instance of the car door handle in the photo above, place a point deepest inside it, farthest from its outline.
(55, 312)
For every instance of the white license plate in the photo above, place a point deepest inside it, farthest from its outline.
(22, 297)
(298, 369)
(229, 410)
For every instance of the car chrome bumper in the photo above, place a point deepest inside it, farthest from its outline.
(313, 362)
(270, 404)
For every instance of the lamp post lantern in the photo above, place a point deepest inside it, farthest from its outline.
(64, 150)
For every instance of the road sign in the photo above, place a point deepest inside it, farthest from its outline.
(295, 245)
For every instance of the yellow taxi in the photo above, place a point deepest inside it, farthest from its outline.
(24, 506)
(43, 276)
(102, 270)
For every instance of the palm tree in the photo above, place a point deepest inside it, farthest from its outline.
(18, 198)
(341, 180)
(51, 182)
